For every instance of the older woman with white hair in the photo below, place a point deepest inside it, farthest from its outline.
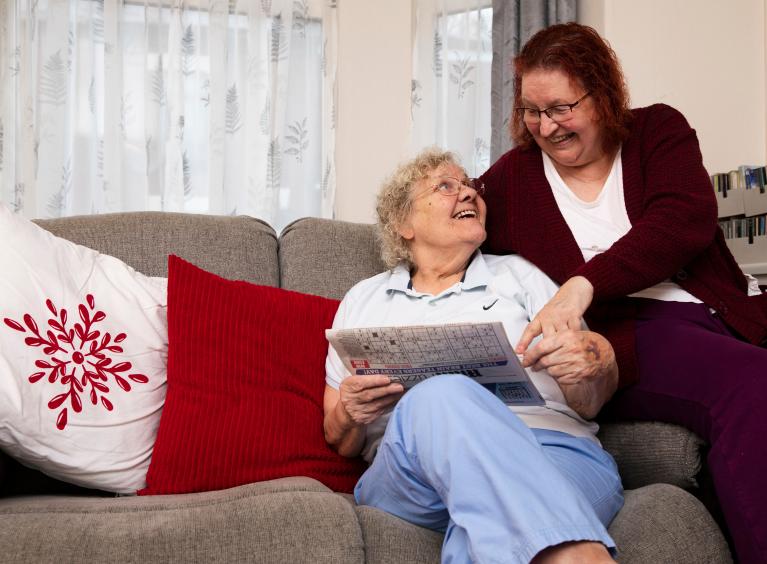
(504, 484)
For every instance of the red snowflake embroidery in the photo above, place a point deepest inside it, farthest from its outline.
(81, 364)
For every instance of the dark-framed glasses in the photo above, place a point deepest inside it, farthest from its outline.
(559, 113)
(449, 186)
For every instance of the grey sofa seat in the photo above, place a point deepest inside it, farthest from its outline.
(298, 519)
(282, 521)
(658, 523)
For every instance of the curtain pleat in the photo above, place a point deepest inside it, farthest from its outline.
(514, 22)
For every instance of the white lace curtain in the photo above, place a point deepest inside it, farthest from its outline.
(450, 90)
(212, 106)
(462, 53)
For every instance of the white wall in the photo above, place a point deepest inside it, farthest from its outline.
(373, 100)
(705, 57)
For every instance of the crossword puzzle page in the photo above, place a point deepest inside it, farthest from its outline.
(410, 354)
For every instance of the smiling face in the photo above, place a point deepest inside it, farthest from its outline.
(576, 142)
(445, 224)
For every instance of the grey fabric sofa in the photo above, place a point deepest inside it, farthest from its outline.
(297, 519)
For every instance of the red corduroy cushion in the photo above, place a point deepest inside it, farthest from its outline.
(246, 376)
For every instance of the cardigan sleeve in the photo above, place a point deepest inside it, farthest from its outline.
(497, 194)
(675, 213)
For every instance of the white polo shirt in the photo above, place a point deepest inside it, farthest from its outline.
(508, 289)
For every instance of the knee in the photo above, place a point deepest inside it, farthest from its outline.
(444, 395)
(440, 390)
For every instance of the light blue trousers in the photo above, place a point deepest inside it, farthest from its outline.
(455, 459)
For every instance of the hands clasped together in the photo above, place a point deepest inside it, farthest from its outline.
(562, 312)
(582, 362)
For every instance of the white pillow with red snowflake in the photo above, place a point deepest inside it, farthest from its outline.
(83, 349)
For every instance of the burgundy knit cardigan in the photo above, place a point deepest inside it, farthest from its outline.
(674, 234)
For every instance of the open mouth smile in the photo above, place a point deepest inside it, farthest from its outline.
(464, 214)
(561, 138)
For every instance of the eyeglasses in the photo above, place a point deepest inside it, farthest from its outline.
(558, 114)
(449, 186)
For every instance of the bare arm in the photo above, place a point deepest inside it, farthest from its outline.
(583, 364)
(358, 402)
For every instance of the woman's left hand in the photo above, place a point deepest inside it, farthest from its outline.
(570, 356)
(562, 312)
(583, 364)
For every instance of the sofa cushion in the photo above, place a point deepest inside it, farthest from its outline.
(391, 540)
(281, 521)
(652, 452)
(83, 340)
(239, 248)
(663, 523)
(245, 387)
(327, 257)
(659, 523)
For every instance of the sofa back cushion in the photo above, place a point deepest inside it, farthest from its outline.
(327, 257)
(240, 248)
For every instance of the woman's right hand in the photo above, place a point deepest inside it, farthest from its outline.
(564, 311)
(364, 399)
(359, 401)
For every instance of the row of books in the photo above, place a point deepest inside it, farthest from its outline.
(737, 227)
(746, 178)
(741, 193)
(741, 196)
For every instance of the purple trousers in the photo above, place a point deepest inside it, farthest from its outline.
(693, 372)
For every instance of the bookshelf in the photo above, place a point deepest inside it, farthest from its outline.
(741, 196)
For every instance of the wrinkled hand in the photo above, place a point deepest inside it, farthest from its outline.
(571, 356)
(365, 398)
(582, 363)
(563, 311)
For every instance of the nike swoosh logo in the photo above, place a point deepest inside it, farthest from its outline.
(489, 306)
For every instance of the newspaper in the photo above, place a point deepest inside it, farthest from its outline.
(413, 353)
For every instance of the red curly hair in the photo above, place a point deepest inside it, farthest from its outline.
(579, 52)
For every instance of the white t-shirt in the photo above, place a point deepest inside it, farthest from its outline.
(512, 290)
(597, 225)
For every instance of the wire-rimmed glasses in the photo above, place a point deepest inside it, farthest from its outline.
(558, 113)
(449, 186)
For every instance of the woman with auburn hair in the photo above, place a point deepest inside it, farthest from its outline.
(615, 205)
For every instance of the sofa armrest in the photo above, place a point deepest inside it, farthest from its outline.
(661, 523)
(651, 453)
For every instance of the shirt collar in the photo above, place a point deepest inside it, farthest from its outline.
(476, 276)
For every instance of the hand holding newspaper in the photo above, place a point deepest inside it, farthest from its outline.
(410, 354)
